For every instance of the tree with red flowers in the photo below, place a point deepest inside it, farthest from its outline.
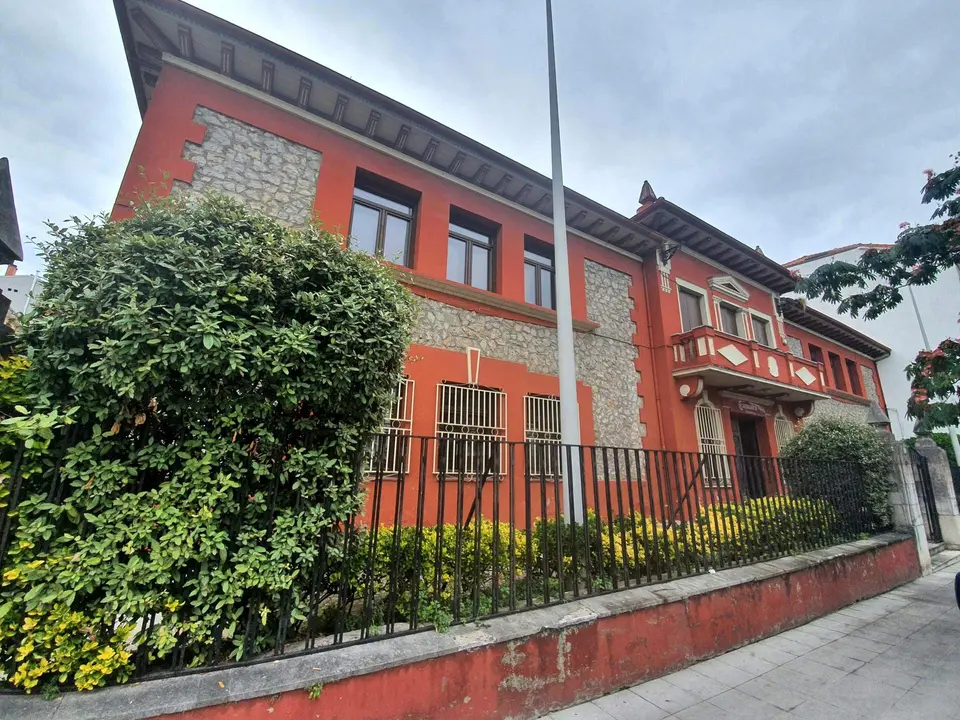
(875, 282)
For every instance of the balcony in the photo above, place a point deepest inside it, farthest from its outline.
(728, 362)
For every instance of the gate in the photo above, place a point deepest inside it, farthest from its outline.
(928, 505)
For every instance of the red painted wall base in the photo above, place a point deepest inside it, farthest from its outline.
(555, 669)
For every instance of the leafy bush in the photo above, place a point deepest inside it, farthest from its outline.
(628, 550)
(847, 444)
(459, 564)
(223, 372)
(766, 526)
(12, 393)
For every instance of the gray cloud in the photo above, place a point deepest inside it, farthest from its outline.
(794, 126)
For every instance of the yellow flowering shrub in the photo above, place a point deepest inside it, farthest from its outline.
(64, 646)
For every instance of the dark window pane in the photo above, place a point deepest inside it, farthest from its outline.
(760, 331)
(395, 240)
(456, 260)
(546, 289)
(479, 268)
(816, 354)
(530, 283)
(838, 379)
(728, 320)
(363, 228)
(691, 310)
(854, 377)
(382, 201)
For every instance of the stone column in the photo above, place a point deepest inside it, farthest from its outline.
(906, 505)
(943, 494)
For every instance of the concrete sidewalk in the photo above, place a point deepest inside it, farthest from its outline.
(891, 657)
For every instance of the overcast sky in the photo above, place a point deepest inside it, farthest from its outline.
(796, 126)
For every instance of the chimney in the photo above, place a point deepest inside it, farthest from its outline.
(11, 269)
(647, 196)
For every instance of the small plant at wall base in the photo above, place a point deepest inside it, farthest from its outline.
(830, 441)
(219, 373)
(920, 254)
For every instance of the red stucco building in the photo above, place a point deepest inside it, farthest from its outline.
(684, 339)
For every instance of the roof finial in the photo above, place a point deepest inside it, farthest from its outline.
(647, 195)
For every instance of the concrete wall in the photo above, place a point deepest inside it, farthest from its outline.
(22, 291)
(522, 665)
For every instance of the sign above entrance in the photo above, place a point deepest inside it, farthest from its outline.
(744, 407)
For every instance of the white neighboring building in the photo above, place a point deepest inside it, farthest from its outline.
(21, 289)
(937, 305)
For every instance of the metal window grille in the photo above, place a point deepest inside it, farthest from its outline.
(713, 444)
(783, 429)
(391, 449)
(541, 418)
(473, 420)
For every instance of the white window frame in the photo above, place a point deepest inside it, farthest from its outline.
(471, 399)
(712, 441)
(541, 431)
(704, 303)
(398, 428)
(743, 332)
(770, 327)
(783, 429)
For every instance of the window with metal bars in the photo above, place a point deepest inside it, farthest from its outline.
(783, 429)
(713, 444)
(471, 429)
(541, 432)
(390, 450)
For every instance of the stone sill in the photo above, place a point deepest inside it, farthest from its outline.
(164, 696)
(488, 299)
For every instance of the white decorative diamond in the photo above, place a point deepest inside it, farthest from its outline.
(773, 366)
(805, 375)
(733, 354)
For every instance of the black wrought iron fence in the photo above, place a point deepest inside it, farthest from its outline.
(456, 529)
(928, 504)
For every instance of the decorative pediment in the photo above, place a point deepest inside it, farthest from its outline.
(729, 286)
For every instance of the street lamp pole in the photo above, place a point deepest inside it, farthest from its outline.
(569, 409)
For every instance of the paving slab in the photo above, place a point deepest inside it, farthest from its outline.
(892, 657)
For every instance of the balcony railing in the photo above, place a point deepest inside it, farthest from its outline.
(707, 349)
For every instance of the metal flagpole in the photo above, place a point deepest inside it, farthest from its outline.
(569, 409)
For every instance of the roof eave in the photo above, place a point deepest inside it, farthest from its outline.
(646, 238)
(129, 49)
(795, 312)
